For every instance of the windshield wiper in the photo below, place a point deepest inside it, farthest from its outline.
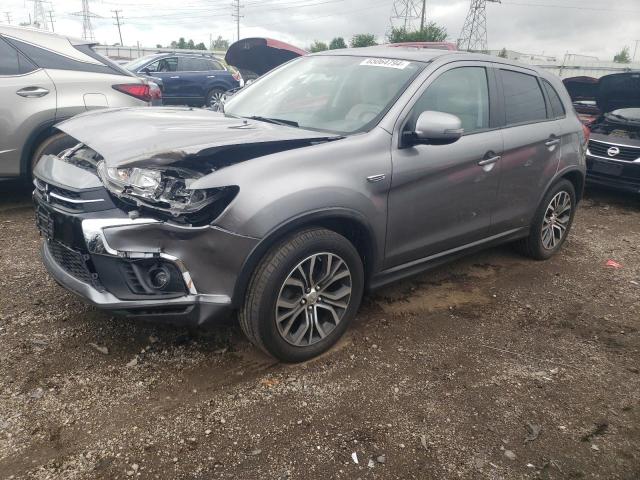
(277, 121)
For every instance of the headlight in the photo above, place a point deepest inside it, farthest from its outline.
(167, 190)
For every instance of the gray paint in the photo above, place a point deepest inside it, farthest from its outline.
(421, 204)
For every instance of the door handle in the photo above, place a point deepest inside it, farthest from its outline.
(32, 92)
(177, 76)
(489, 161)
(211, 76)
(552, 142)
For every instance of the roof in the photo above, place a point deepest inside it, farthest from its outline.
(39, 36)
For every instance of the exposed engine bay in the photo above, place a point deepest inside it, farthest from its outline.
(621, 123)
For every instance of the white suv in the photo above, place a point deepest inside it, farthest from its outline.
(46, 78)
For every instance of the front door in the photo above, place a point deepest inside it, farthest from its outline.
(442, 196)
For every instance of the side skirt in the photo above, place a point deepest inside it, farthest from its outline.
(415, 267)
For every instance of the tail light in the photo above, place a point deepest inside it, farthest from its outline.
(587, 133)
(154, 91)
(236, 76)
(138, 90)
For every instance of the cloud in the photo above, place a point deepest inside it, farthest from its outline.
(589, 27)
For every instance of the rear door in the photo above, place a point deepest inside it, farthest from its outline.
(194, 72)
(167, 70)
(28, 101)
(532, 146)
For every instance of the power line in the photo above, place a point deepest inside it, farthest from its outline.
(118, 23)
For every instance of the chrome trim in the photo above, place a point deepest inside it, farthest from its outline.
(613, 159)
(616, 144)
(94, 238)
(376, 178)
(73, 200)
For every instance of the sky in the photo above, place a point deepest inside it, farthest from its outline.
(551, 27)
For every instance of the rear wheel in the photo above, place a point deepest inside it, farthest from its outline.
(303, 295)
(215, 98)
(53, 145)
(551, 223)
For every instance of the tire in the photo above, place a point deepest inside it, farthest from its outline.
(53, 145)
(537, 247)
(277, 281)
(214, 98)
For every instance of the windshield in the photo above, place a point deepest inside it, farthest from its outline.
(338, 94)
(134, 65)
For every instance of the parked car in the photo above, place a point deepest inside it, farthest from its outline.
(613, 158)
(297, 199)
(188, 79)
(47, 78)
(256, 56)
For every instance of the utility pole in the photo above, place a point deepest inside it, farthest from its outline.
(51, 19)
(118, 23)
(474, 32)
(423, 15)
(236, 15)
(8, 14)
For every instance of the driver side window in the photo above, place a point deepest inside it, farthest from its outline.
(463, 92)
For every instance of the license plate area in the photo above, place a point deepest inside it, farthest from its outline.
(45, 223)
(607, 168)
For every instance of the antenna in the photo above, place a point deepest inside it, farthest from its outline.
(473, 36)
(405, 13)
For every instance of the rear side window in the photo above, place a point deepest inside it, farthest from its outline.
(190, 64)
(557, 108)
(523, 99)
(463, 92)
(13, 62)
(49, 59)
(213, 65)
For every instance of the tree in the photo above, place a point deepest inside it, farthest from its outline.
(622, 56)
(503, 53)
(363, 40)
(201, 46)
(181, 43)
(158, 45)
(220, 44)
(191, 45)
(337, 43)
(318, 46)
(432, 32)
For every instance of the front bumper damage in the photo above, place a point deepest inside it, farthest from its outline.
(101, 253)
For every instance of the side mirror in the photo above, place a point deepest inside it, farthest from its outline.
(436, 128)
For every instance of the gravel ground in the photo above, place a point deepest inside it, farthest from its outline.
(492, 367)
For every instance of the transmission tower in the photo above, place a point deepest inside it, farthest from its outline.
(406, 13)
(39, 15)
(473, 36)
(87, 15)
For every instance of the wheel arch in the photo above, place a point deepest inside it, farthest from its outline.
(576, 177)
(350, 224)
(38, 135)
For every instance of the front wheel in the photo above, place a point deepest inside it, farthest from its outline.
(551, 223)
(53, 145)
(303, 295)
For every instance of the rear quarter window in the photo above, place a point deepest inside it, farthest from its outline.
(523, 98)
(557, 108)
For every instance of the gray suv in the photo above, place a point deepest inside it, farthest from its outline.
(47, 78)
(333, 174)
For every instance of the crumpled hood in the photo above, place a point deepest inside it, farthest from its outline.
(620, 90)
(161, 136)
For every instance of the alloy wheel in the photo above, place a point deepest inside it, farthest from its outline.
(216, 100)
(313, 299)
(556, 220)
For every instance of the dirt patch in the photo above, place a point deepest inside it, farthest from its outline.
(443, 376)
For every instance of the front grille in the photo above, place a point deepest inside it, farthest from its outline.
(74, 263)
(44, 222)
(71, 201)
(601, 149)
